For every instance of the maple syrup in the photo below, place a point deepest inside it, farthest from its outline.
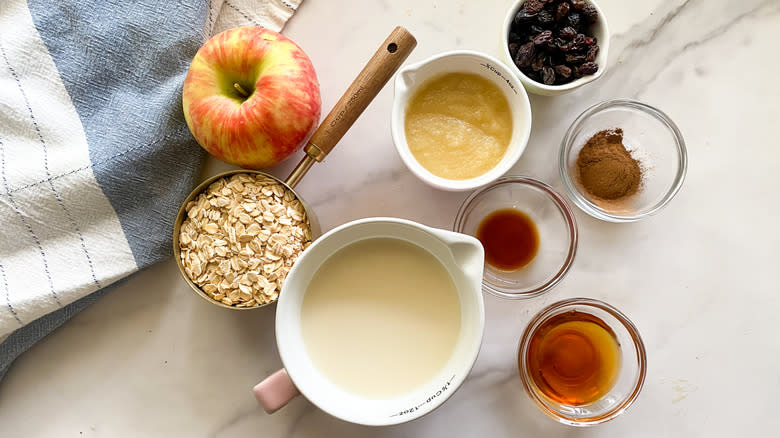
(574, 358)
(510, 239)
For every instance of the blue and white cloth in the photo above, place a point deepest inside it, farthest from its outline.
(95, 156)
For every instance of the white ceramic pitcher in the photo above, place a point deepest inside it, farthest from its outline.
(461, 255)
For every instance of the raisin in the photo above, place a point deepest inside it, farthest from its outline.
(525, 54)
(578, 4)
(562, 45)
(575, 72)
(523, 17)
(578, 43)
(513, 49)
(589, 68)
(532, 6)
(563, 71)
(545, 17)
(515, 37)
(573, 20)
(535, 30)
(591, 14)
(591, 56)
(538, 62)
(589, 41)
(543, 38)
(568, 32)
(548, 75)
(562, 11)
(574, 58)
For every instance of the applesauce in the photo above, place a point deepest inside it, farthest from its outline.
(458, 125)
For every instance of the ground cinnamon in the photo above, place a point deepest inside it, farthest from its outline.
(606, 169)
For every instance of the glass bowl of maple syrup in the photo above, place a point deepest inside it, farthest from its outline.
(528, 231)
(582, 361)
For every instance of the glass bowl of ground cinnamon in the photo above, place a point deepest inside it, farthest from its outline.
(622, 160)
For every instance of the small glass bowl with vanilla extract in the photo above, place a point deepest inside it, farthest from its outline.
(528, 231)
(582, 361)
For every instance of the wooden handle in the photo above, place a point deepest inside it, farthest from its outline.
(364, 88)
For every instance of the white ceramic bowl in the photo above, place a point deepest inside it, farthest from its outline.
(462, 61)
(461, 255)
(600, 31)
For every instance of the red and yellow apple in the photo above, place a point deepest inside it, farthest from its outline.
(251, 97)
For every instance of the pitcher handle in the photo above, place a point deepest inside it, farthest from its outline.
(275, 391)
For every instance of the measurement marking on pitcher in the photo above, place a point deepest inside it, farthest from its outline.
(432, 397)
(499, 74)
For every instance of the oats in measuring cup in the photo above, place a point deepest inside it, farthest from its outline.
(240, 238)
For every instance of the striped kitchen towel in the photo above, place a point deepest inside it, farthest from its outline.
(95, 156)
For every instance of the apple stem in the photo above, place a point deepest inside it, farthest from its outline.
(240, 89)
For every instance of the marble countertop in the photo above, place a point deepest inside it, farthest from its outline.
(700, 279)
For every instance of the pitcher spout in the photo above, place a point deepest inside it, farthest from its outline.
(467, 252)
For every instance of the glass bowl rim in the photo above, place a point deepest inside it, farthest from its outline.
(566, 144)
(639, 347)
(563, 207)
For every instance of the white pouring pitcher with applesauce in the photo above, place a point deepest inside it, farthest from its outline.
(463, 258)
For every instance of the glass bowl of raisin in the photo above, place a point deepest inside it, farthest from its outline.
(555, 46)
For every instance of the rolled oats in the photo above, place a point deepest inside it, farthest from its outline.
(240, 237)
